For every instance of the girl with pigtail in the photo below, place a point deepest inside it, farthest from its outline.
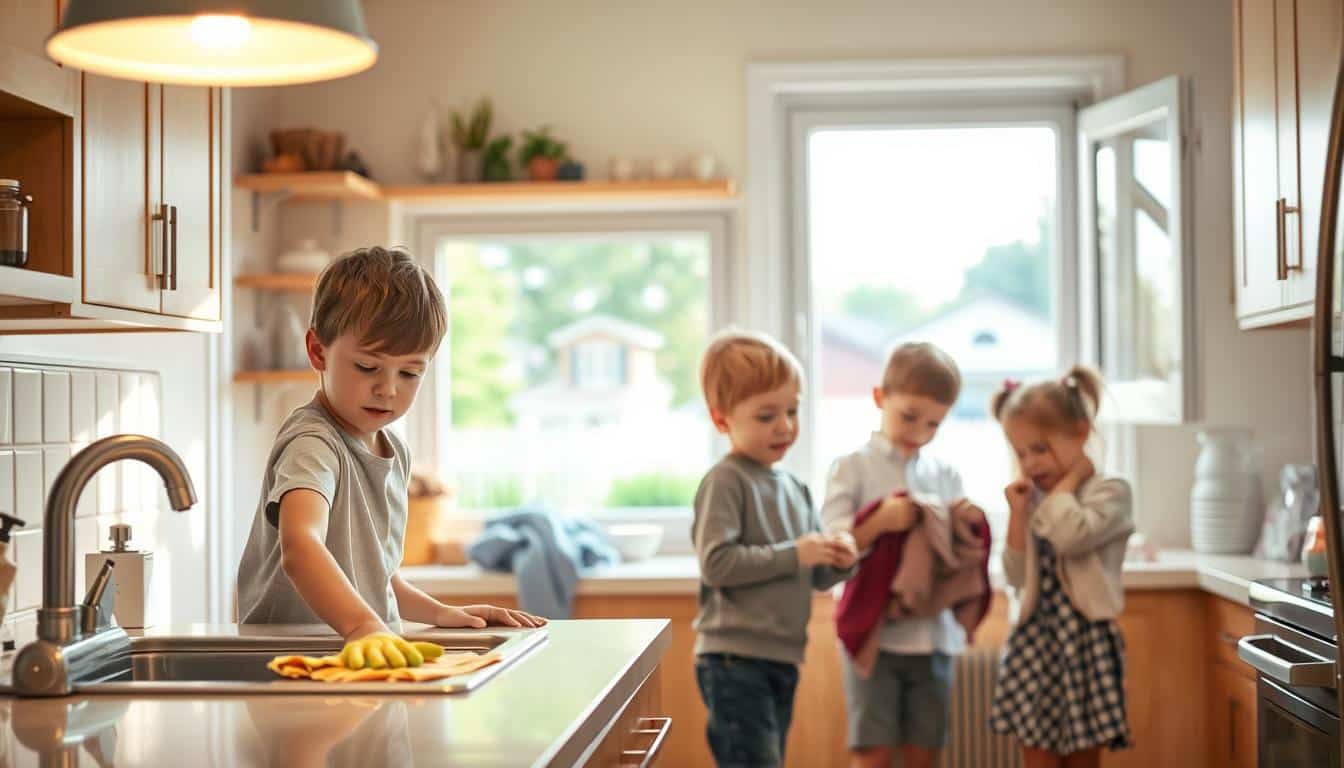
(1060, 687)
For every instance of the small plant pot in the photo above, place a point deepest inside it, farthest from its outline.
(468, 166)
(542, 168)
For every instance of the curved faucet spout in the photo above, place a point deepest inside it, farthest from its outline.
(58, 534)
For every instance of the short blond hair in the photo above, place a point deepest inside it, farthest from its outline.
(383, 296)
(921, 368)
(740, 364)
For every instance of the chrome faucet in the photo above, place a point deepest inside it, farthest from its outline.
(66, 651)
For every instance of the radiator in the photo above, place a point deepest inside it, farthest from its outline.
(971, 744)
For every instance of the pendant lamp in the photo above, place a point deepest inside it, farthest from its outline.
(215, 42)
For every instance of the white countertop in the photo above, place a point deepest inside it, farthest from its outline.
(1228, 576)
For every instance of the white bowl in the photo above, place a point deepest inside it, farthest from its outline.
(635, 541)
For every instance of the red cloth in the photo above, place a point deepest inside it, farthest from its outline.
(864, 604)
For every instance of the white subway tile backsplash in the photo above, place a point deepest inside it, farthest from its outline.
(28, 485)
(48, 415)
(106, 402)
(131, 476)
(6, 406)
(7, 482)
(88, 500)
(54, 460)
(27, 406)
(28, 559)
(56, 407)
(86, 540)
(83, 407)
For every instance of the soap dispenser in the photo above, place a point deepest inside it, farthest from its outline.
(133, 574)
(7, 571)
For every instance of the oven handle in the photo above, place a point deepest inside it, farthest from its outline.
(1253, 649)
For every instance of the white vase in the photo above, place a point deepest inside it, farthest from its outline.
(1225, 501)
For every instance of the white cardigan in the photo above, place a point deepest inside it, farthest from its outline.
(1089, 531)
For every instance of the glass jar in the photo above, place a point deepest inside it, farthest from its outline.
(13, 224)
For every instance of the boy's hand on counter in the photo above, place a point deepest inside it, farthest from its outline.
(813, 549)
(477, 616)
(380, 650)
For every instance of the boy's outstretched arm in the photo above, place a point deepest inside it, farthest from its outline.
(415, 605)
(314, 572)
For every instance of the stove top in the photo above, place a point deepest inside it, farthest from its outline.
(1300, 603)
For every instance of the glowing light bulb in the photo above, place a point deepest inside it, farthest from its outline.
(220, 32)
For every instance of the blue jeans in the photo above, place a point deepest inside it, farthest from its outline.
(750, 704)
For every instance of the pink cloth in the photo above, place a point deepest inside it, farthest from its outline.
(918, 572)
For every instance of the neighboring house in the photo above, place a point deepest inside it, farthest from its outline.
(991, 339)
(606, 374)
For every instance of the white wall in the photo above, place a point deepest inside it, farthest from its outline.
(666, 78)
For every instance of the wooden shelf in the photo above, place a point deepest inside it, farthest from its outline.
(299, 282)
(275, 377)
(33, 88)
(563, 191)
(29, 286)
(313, 185)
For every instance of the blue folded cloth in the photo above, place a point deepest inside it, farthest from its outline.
(545, 552)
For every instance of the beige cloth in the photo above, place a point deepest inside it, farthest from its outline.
(328, 669)
(941, 567)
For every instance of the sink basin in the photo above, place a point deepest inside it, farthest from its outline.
(237, 665)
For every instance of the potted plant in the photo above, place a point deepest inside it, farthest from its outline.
(469, 136)
(541, 154)
(495, 161)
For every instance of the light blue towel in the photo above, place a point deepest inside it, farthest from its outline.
(546, 554)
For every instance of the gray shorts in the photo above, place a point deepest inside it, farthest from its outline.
(904, 702)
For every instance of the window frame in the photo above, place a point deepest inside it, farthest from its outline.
(429, 427)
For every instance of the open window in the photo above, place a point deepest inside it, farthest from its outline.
(1136, 262)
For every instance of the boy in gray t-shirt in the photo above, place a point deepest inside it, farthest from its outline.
(327, 537)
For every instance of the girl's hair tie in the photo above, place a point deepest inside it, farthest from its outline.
(1010, 384)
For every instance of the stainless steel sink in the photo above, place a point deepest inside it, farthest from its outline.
(231, 665)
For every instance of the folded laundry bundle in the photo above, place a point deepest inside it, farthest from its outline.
(330, 669)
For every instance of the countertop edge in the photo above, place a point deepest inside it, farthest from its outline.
(1228, 577)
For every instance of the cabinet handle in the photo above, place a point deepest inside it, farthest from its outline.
(172, 224)
(664, 724)
(161, 254)
(1228, 638)
(1281, 211)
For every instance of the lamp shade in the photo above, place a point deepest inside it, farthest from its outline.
(215, 42)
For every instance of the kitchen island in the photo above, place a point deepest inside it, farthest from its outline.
(585, 695)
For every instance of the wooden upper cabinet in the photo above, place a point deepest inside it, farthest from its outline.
(191, 190)
(118, 250)
(1287, 58)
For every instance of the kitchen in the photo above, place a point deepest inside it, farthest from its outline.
(683, 80)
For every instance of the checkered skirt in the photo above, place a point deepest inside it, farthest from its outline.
(1060, 685)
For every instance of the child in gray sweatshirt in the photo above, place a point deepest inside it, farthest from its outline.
(761, 552)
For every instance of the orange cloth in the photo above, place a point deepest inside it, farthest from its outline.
(329, 669)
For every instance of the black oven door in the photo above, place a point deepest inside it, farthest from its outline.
(1294, 733)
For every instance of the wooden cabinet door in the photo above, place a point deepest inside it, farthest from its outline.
(1232, 719)
(119, 181)
(190, 162)
(1259, 289)
(1320, 25)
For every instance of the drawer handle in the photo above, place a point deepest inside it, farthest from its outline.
(1229, 639)
(1303, 668)
(659, 733)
